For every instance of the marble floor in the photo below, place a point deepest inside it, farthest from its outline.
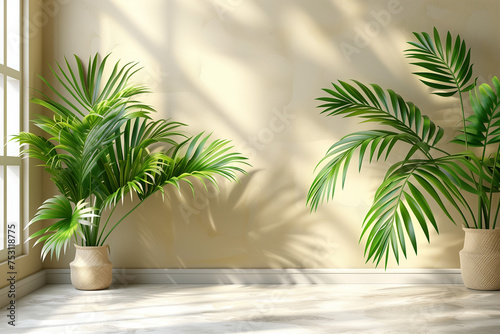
(263, 309)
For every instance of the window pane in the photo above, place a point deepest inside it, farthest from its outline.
(13, 200)
(2, 216)
(13, 34)
(13, 113)
(2, 115)
(10, 124)
(2, 5)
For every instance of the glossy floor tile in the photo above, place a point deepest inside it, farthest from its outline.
(290, 309)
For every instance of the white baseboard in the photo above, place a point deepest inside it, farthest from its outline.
(272, 276)
(23, 287)
(244, 276)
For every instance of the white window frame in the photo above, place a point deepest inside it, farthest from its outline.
(6, 248)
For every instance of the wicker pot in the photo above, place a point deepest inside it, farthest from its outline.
(91, 268)
(480, 259)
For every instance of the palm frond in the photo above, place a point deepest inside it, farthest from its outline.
(447, 68)
(91, 91)
(337, 160)
(382, 107)
(483, 126)
(200, 160)
(128, 166)
(37, 147)
(372, 105)
(400, 202)
(68, 223)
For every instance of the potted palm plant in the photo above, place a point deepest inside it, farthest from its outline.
(428, 173)
(100, 144)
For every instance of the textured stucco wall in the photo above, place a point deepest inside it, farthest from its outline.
(250, 71)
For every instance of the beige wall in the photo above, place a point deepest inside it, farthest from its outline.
(29, 262)
(250, 71)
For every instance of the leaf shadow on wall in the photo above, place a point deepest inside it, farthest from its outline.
(225, 229)
(252, 224)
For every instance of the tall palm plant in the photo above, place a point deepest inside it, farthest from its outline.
(98, 148)
(428, 173)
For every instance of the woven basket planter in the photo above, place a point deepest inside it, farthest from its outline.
(480, 259)
(91, 268)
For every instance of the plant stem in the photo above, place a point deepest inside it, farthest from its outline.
(86, 240)
(479, 186)
(106, 224)
(440, 150)
(496, 215)
(429, 156)
(94, 228)
(492, 185)
(487, 209)
(125, 216)
(463, 115)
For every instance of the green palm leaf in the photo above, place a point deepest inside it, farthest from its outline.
(483, 126)
(202, 161)
(128, 165)
(371, 105)
(382, 107)
(447, 68)
(37, 147)
(400, 203)
(482, 129)
(88, 90)
(69, 219)
(336, 161)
